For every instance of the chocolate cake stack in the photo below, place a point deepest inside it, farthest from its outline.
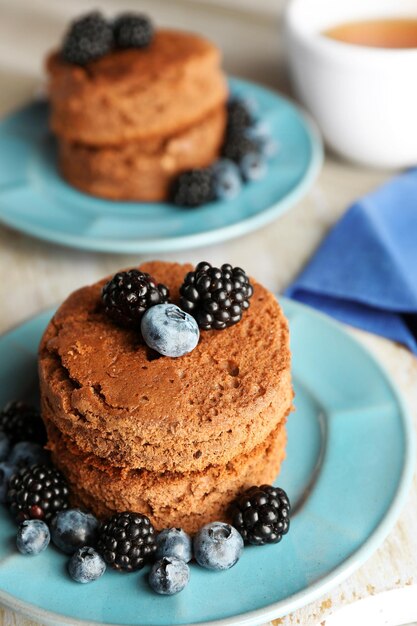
(174, 438)
(129, 122)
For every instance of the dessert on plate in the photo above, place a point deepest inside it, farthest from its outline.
(132, 108)
(143, 114)
(176, 439)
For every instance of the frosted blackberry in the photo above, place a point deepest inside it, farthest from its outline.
(216, 297)
(129, 294)
(37, 492)
(262, 514)
(132, 30)
(22, 422)
(89, 37)
(127, 541)
(193, 188)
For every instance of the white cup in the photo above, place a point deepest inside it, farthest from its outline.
(364, 99)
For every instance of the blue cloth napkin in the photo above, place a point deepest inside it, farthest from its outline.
(365, 271)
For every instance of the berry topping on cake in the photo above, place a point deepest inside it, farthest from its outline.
(217, 546)
(22, 422)
(132, 30)
(86, 565)
(37, 492)
(129, 294)
(169, 330)
(216, 297)
(193, 188)
(261, 514)
(88, 38)
(127, 541)
(169, 575)
(32, 537)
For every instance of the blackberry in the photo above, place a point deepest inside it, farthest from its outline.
(216, 297)
(193, 188)
(236, 146)
(22, 422)
(132, 30)
(239, 117)
(37, 492)
(89, 37)
(127, 541)
(261, 514)
(129, 294)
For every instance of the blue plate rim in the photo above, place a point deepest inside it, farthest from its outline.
(327, 582)
(188, 242)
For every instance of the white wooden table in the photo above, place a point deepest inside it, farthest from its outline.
(34, 275)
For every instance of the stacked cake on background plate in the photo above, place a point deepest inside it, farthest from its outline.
(173, 438)
(129, 121)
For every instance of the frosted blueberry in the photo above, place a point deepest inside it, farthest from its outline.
(169, 575)
(73, 529)
(174, 542)
(32, 537)
(4, 446)
(227, 181)
(250, 103)
(6, 472)
(253, 166)
(268, 147)
(169, 330)
(217, 546)
(259, 129)
(28, 453)
(86, 565)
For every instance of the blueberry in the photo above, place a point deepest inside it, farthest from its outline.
(217, 546)
(4, 446)
(174, 542)
(169, 575)
(73, 529)
(86, 565)
(28, 453)
(169, 330)
(267, 147)
(261, 134)
(253, 166)
(6, 472)
(259, 128)
(227, 181)
(32, 537)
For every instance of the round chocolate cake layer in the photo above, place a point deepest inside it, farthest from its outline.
(108, 395)
(137, 93)
(188, 500)
(142, 170)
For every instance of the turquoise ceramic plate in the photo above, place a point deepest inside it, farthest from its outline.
(349, 464)
(35, 200)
